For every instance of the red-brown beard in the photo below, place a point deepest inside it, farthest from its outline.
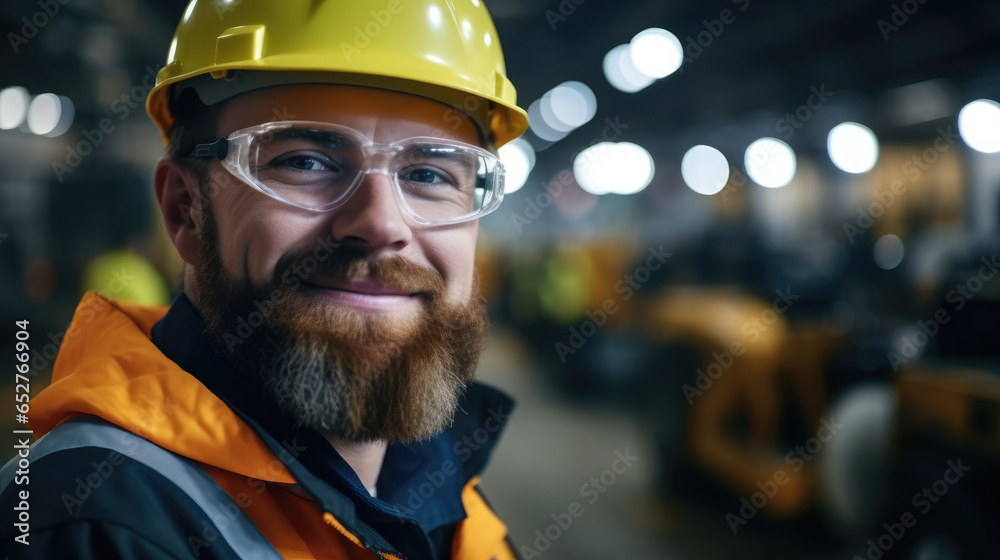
(345, 372)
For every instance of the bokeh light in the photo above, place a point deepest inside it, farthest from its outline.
(567, 106)
(979, 125)
(853, 147)
(44, 113)
(770, 162)
(621, 71)
(888, 252)
(518, 158)
(50, 114)
(540, 126)
(656, 52)
(705, 170)
(610, 167)
(13, 107)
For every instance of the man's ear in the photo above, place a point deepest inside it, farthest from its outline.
(178, 193)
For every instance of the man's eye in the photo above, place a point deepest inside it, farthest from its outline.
(303, 163)
(423, 176)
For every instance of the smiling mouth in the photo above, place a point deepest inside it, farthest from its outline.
(366, 295)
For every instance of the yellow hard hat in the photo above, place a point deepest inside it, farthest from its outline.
(446, 50)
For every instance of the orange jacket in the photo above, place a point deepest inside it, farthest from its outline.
(108, 367)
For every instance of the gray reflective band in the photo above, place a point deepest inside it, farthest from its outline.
(87, 431)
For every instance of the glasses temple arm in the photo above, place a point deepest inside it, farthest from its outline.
(218, 149)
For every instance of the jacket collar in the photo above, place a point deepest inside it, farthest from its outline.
(108, 367)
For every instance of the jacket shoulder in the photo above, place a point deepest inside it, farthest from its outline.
(85, 496)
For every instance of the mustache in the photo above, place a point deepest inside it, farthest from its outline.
(348, 263)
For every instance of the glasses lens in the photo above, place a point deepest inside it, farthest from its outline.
(442, 182)
(316, 168)
(308, 167)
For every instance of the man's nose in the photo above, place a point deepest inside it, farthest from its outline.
(372, 216)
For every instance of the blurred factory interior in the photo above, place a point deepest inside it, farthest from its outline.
(742, 282)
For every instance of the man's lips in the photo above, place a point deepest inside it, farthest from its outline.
(366, 295)
(367, 287)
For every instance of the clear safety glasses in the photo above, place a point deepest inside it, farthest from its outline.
(317, 166)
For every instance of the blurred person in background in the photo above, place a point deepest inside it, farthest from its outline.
(309, 394)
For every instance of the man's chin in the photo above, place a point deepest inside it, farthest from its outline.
(394, 375)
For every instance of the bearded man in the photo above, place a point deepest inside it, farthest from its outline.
(309, 394)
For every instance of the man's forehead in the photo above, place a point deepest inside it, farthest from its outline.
(381, 114)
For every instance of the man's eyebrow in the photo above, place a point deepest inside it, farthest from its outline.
(322, 137)
(465, 159)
